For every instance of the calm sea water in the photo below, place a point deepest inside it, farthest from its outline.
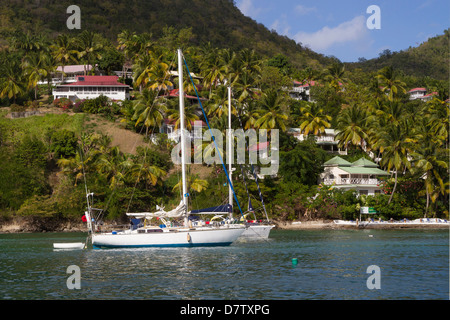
(332, 265)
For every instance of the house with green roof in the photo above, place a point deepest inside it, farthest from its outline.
(361, 175)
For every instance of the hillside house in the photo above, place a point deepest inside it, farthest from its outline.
(326, 140)
(362, 175)
(91, 87)
(420, 93)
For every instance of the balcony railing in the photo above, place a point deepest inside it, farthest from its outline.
(344, 181)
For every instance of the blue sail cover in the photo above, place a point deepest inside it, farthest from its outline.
(218, 209)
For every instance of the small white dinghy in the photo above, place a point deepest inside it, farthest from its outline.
(69, 245)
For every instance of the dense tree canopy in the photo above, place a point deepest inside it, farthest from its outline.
(371, 112)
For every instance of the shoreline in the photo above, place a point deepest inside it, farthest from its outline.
(23, 226)
(329, 224)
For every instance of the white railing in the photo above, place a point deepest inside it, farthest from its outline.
(344, 181)
(325, 139)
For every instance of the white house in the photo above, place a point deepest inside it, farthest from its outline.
(420, 93)
(326, 140)
(417, 93)
(301, 91)
(91, 87)
(361, 175)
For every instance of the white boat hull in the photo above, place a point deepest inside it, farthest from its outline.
(257, 231)
(72, 245)
(182, 237)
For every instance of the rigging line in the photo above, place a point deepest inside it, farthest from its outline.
(213, 138)
(84, 173)
(246, 189)
(253, 171)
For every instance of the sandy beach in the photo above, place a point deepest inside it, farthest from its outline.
(329, 224)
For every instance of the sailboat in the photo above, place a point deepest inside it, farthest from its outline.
(166, 235)
(254, 229)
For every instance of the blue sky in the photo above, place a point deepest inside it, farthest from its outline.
(339, 28)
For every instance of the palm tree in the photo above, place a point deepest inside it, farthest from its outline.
(273, 111)
(189, 113)
(159, 77)
(141, 71)
(249, 113)
(430, 161)
(114, 166)
(149, 109)
(64, 51)
(250, 61)
(394, 144)
(213, 67)
(11, 81)
(28, 42)
(83, 161)
(245, 87)
(439, 114)
(313, 119)
(88, 48)
(393, 111)
(352, 126)
(387, 78)
(218, 103)
(193, 183)
(34, 69)
(143, 170)
(334, 74)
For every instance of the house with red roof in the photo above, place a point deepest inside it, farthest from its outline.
(421, 93)
(91, 87)
(416, 93)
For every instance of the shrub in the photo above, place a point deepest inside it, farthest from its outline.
(64, 143)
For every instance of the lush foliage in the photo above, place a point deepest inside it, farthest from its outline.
(47, 160)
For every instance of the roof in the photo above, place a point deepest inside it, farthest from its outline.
(176, 93)
(259, 146)
(337, 161)
(430, 94)
(361, 166)
(74, 68)
(417, 89)
(363, 162)
(110, 81)
(364, 170)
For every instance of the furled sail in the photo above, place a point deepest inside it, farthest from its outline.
(179, 211)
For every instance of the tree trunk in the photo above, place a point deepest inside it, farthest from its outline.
(395, 186)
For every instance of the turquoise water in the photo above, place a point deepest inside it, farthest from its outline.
(332, 265)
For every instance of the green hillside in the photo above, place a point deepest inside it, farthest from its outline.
(216, 21)
(45, 158)
(430, 59)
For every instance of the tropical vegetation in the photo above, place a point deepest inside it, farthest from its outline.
(48, 161)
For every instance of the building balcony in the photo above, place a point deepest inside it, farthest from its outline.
(352, 181)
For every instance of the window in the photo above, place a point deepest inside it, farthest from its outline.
(363, 192)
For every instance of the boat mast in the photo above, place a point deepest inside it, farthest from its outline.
(230, 148)
(88, 213)
(183, 147)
